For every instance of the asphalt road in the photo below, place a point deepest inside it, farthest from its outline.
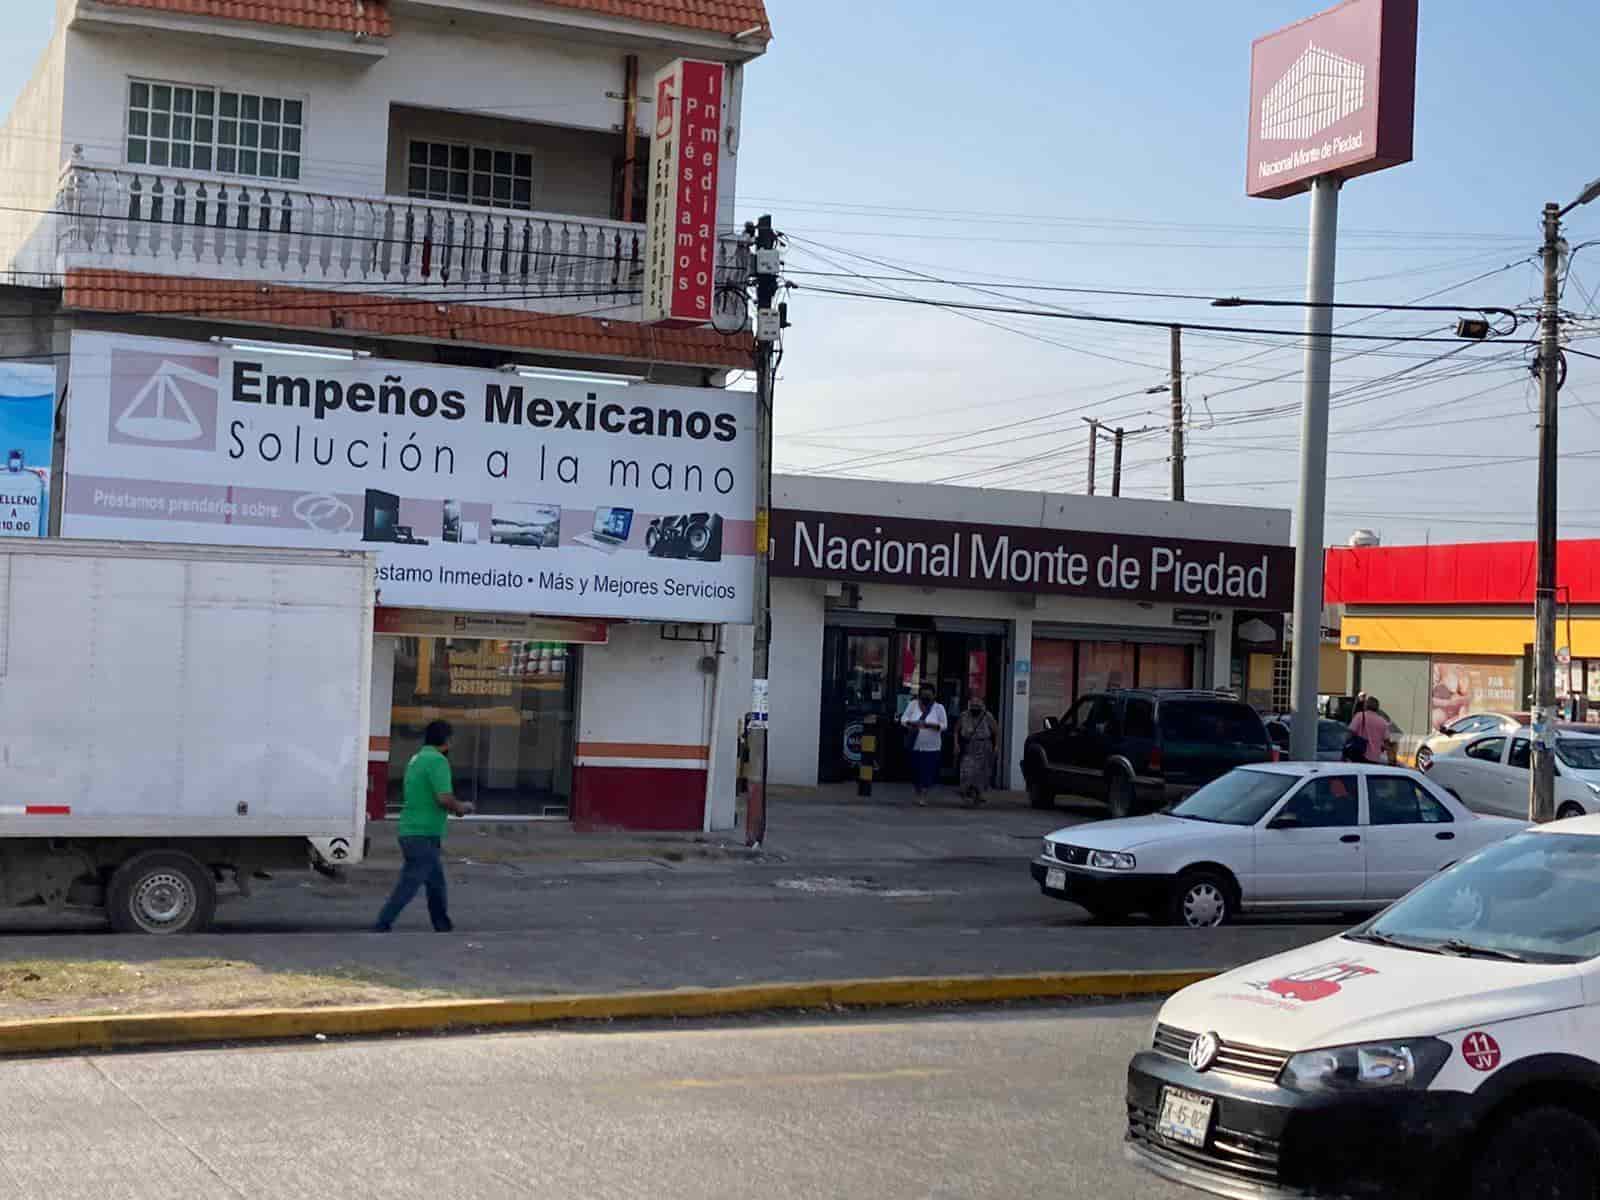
(564, 927)
(1010, 1104)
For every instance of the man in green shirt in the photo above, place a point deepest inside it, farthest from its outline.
(429, 801)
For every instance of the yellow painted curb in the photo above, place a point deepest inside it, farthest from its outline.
(55, 1034)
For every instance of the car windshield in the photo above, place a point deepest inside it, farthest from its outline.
(1240, 797)
(1579, 753)
(1211, 722)
(1331, 735)
(1533, 897)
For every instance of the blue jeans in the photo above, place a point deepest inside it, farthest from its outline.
(424, 868)
(925, 769)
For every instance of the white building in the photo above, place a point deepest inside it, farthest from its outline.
(448, 187)
(1027, 599)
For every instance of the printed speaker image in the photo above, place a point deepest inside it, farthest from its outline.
(695, 537)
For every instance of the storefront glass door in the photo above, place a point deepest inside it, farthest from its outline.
(512, 705)
(880, 672)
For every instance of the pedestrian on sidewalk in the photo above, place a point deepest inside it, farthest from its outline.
(429, 801)
(925, 722)
(1370, 728)
(977, 735)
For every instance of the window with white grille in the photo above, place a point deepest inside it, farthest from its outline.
(458, 173)
(1282, 676)
(190, 128)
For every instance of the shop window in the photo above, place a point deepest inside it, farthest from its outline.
(1103, 666)
(512, 705)
(1166, 666)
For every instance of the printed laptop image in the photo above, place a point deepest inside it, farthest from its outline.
(611, 529)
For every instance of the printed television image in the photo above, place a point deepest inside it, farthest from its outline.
(531, 526)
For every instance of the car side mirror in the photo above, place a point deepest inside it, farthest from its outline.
(1285, 821)
(1442, 729)
(1051, 723)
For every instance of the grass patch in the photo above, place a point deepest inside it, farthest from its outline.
(65, 987)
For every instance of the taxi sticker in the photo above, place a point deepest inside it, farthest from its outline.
(1481, 1051)
(1315, 983)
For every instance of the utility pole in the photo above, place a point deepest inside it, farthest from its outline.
(1542, 781)
(768, 328)
(1116, 463)
(1094, 444)
(1542, 793)
(1177, 412)
(1310, 515)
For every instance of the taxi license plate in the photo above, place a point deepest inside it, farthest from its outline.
(1055, 877)
(1185, 1117)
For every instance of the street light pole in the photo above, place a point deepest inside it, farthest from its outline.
(1542, 781)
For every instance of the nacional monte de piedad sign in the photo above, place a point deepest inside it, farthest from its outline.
(1334, 94)
(849, 546)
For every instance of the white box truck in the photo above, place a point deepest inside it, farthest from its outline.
(175, 720)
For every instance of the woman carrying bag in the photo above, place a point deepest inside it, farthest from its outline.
(924, 722)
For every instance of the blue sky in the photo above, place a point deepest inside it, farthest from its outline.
(1102, 145)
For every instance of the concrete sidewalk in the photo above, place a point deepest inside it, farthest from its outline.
(825, 824)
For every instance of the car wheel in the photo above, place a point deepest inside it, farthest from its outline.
(1119, 796)
(1424, 758)
(1202, 900)
(1544, 1151)
(161, 892)
(1570, 809)
(1040, 793)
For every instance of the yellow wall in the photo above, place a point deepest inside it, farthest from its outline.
(1331, 674)
(1496, 636)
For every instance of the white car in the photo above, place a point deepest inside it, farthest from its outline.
(1448, 1047)
(1462, 730)
(1490, 772)
(1283, 836)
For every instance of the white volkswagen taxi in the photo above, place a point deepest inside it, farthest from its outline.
(1448, 1046)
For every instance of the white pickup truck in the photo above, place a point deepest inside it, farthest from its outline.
(175, 720)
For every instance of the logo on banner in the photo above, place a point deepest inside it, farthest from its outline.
(1315, 94)
(162, 401)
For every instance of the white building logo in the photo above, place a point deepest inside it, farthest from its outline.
(162, 401)
(1316, 93)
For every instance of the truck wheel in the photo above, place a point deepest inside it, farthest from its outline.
(1120, 798)
(161, 891)
(1040, 793)
(1546, 1151)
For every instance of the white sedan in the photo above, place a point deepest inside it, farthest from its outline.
(1283, 836)
(1457, 733)
(1490, 772)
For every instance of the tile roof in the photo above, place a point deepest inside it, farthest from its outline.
(370, 17)
(712, 16)
(357, 314)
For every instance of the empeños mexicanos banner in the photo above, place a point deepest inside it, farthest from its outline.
(849, 546)
(479, 490)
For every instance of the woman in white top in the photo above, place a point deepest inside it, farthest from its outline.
(925, 716)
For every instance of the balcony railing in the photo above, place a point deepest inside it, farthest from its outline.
(218, 227)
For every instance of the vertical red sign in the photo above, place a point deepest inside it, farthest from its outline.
(680, 276)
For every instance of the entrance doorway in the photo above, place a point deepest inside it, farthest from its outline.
(512, 704)
(879, 671)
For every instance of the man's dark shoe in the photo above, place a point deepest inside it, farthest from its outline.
(383, 929)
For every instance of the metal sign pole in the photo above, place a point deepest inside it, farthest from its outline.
(1309, 516)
